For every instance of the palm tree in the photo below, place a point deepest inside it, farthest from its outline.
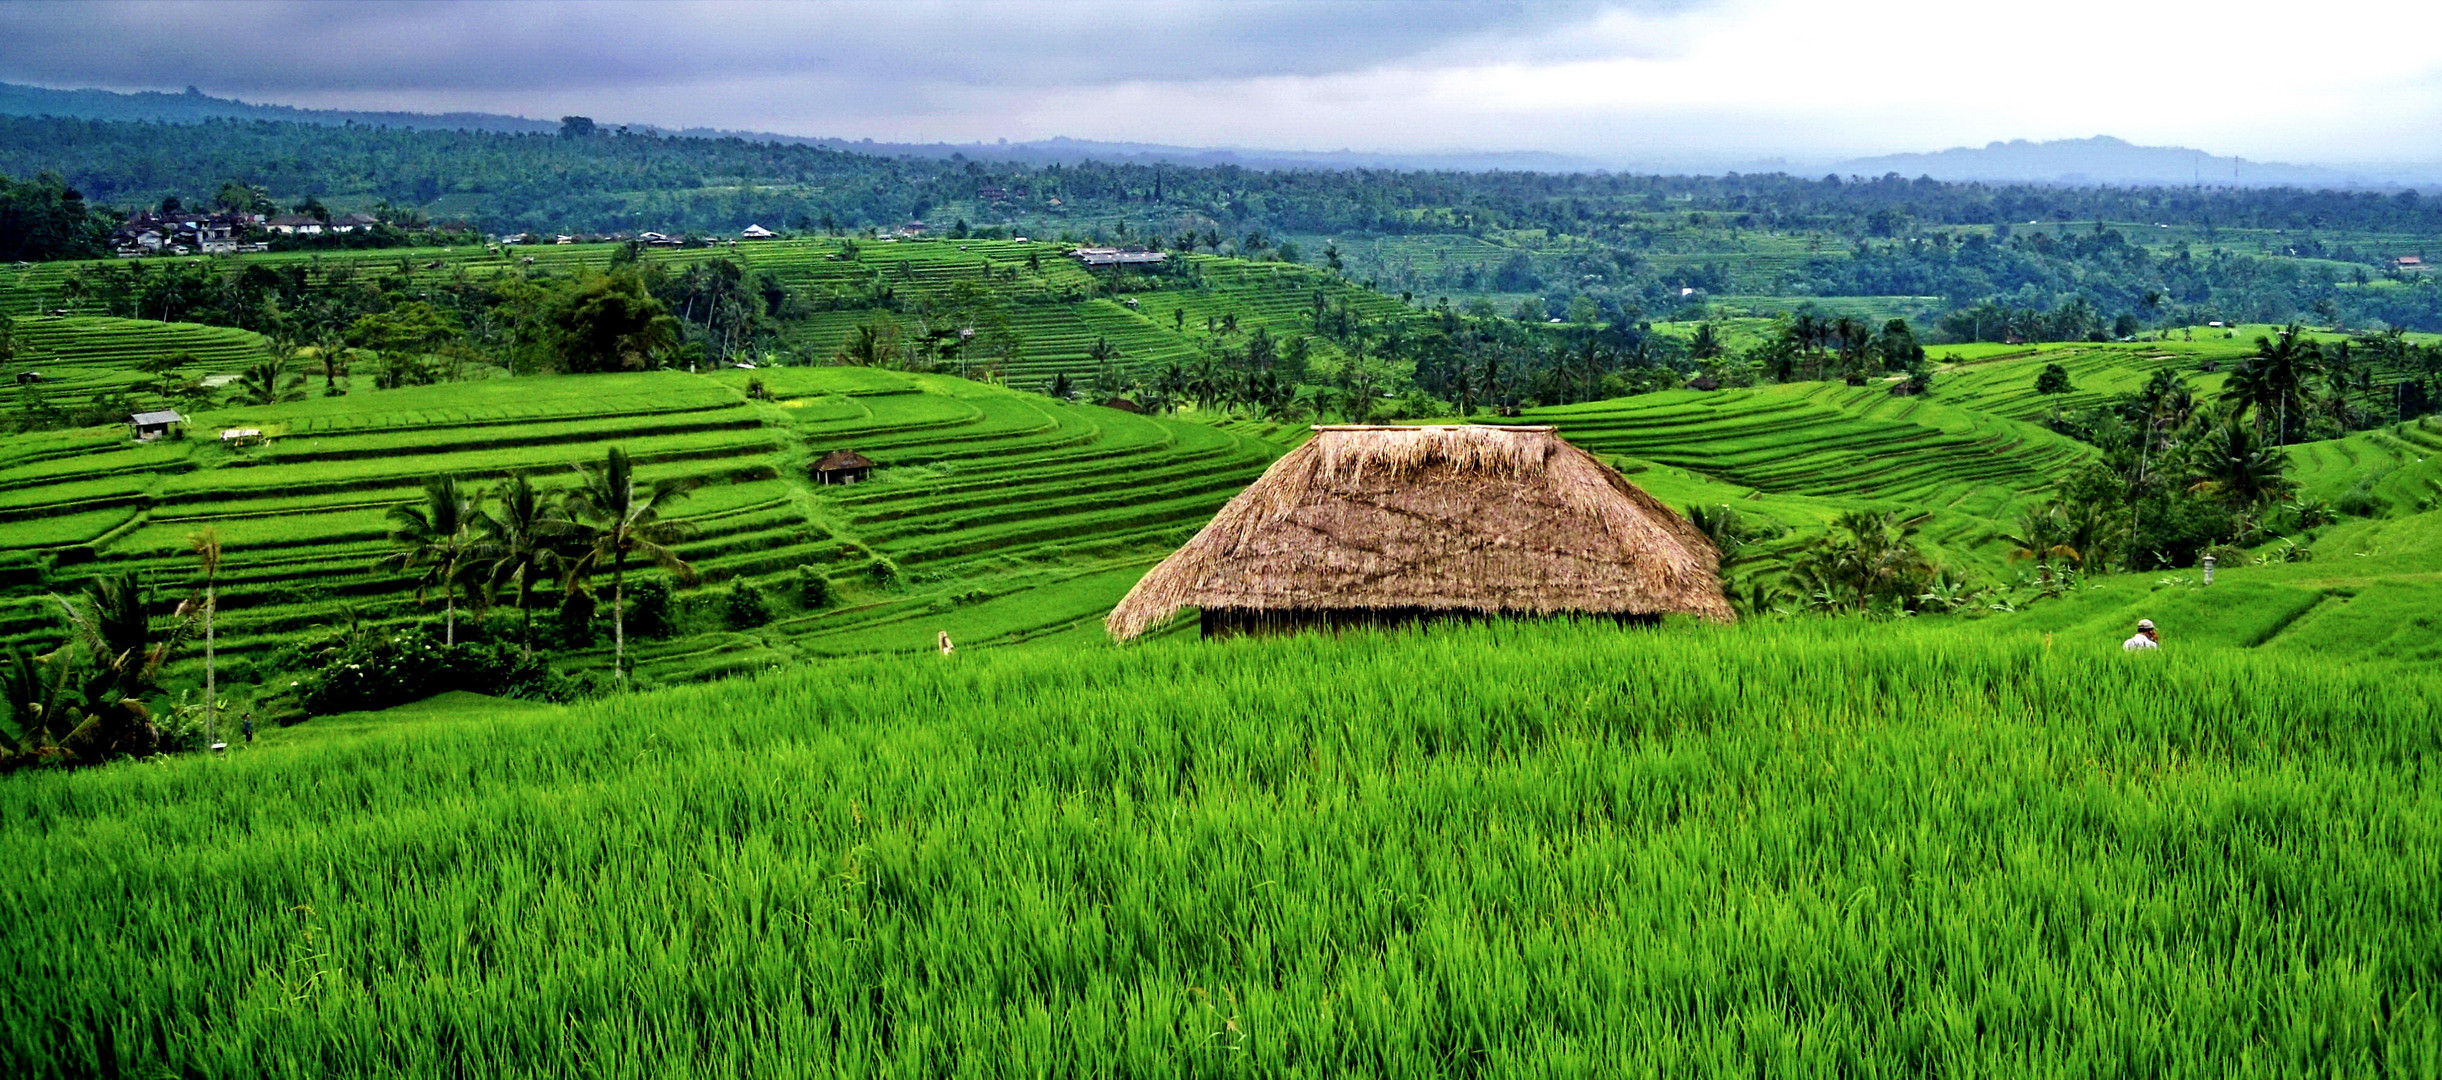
(616, 517)
(439, 537)
(115, 627)
(206, 545)
(2274, 378)
(2234, 464)
(2044, 536)
(522, 532)
(269, 383)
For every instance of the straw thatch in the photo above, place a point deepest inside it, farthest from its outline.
(1435, 520)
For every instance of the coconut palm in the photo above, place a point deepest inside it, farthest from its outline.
(522, 531)
(2045, 536)
(2274, 379)
(269, 382)
(122, 663)
(206, 545)
(615, 517)
(440, 539)
(2233, 464)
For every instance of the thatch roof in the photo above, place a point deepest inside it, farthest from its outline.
(842, 459)
(1496, 520)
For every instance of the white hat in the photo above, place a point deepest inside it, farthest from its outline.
(2145, 624)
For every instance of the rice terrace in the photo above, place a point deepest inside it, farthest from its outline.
(749, 588)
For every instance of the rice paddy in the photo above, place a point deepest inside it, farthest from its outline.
(1529, 850)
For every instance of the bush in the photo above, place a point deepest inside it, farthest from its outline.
(573, 628)
(883, 571)
(2054, 379)
(648, 608)
(744, 607)
(813, 589)
(376, 669)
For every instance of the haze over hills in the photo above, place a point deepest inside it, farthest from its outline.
(2101, 159)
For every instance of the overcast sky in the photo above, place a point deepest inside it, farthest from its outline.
(1635, 81)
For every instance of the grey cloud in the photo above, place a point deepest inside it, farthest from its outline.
(273, 47)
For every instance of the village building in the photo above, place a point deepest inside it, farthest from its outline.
(153, 425)
(348, 223)
(1110, 256)
(1384, 525)
(843, 467)
(757, 232)
(150, 233)
(2409, 262)
(1126, 405)
(295, 225)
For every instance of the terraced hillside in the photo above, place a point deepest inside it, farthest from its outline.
(1005, 514)
(81, 358)
(1803, 453)
(1057, 308)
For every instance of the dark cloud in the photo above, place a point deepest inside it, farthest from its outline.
(285, 48)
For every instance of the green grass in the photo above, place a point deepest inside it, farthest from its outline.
(1502, 851)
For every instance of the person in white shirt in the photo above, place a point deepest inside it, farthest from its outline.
(2145, 639)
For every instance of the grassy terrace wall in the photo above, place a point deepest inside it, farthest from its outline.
(1496, 851)
(1029, 512)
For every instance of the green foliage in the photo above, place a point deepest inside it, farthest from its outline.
(813, 588)
(2053, 379)
(609, 322)
(370, 668)
(649, 609)
(743, 607)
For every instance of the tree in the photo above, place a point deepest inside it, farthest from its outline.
(2274, 379)
(615, 517)
(439, 538)
(577, 127)
(205, 543)
(522, 533)
(2053, 379)
(1869, 559)
(610, 322)
(874, 343)
(2234, 465)
(122, 663)
(1706, 344)
(268, 382)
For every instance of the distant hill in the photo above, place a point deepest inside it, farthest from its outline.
(2106, 160)
(195, 106)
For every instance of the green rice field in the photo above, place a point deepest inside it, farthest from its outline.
(1797, 848)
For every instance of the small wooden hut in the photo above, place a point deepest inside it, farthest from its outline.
(843, 467)
(1371, 525)
(153, 425)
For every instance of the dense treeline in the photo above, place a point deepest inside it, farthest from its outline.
(614, 180)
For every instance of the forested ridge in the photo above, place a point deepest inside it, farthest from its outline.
(1636, 246)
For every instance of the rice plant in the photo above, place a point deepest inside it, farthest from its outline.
(1496, 850)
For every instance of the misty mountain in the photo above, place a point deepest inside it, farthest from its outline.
(2106, 160)
(195, 106)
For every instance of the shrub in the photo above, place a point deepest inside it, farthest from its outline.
(573, 628)
(2054, 379)
(813, 589)
(744, 607)
(883, 571)
(648, 608)
(376, 669)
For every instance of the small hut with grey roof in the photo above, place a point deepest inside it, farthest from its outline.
(1371, 525)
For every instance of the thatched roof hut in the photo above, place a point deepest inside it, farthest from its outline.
(1378, 524)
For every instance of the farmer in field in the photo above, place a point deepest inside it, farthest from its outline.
(2145, 639)
(946, 647)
